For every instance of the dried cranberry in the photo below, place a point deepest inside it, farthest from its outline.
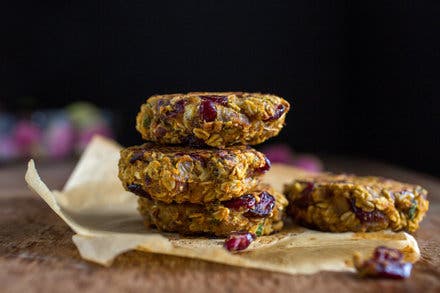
(160, 131)
(137, 189)
(163, 103)
(227, 156)
(400, 270)
(264, 207)
(367, 217)
(222, 100)
(208, 112)
(279, 111)
(147, 180)
(306, 198)
(137, 155)
(197, 157)
(193, 141)
(239, 241)
(223, 154)
(385, 263)
(242, 202)
(385, 253)
(265, 167)
(179, 107)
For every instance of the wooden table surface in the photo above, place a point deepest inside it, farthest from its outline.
(38, 255)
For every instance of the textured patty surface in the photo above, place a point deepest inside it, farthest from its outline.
(216, 119)
(259, 212)
(195, 175)
(341, 203)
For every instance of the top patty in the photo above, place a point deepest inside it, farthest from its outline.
(185, 174)
(216, 119)
(342, 203)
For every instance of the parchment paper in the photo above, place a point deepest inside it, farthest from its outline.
(104, 217)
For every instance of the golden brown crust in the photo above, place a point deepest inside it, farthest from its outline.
(196, 175)
(341, 203)
(216, 119)
(218, 219)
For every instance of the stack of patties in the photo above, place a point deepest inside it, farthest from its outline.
(197, 173)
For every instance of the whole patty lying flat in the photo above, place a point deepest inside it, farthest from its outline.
(259, 212)
(196, 175)
(216, 119)
(341, 203)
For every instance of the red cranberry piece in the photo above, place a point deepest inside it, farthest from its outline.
(242, 202)
(279, 111)
(265, 167)
(196, 156)
(160, 131)
(193, 141)
(163, 103)
(227, 156)
(147, 180)
(137, 155)
(208, 110)
(396, 270)
(385, 253)
(223, 154)
(264, 207)
(385, 263)
(222, 100)
(306, 197)
(137, 189)
(199, 158)
(367, 217)
(239, 241)
(179, 107)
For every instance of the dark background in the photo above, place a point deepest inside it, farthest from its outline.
(363, 78)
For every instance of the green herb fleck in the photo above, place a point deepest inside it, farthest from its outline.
(412, 211)
(146, 122)
(215, 221)
(259, 230)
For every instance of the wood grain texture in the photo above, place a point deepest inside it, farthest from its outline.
(37, 253)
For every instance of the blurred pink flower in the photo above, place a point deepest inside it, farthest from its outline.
(309, 163)
(283, 153)
(279, 153)
(27, 136)
(86, 134)
(59, 138)
(8, 148)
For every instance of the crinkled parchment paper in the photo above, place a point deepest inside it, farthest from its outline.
(105, 220)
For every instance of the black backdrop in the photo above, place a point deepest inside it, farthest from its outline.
(363, 78)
